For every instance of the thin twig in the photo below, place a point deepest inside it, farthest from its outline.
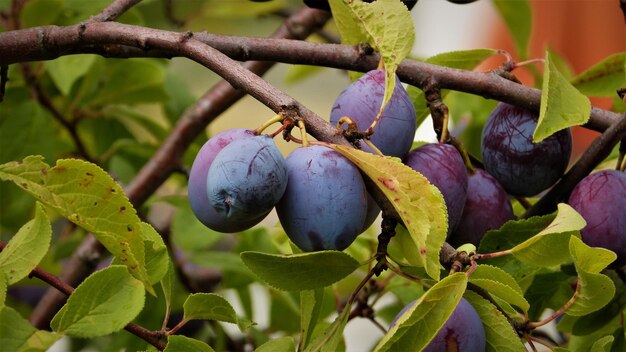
(116, 9)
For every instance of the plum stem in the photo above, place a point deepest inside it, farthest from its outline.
(492, 255)
(438, 110)
(528, 62)
(305, 140)
(464, 154)
(278, 118)
(374, 148)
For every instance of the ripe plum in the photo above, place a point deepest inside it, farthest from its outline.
(361, 101)
(443, 166)
(324, 206)
(600, 198)
(462, 332)
(487, 207)
(197, 193)
(247, 178)
(522, 167)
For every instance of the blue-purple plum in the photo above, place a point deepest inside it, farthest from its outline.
(462, 332)
(247, 178)
(600, 198)
(522, 167)
(361, 102)
(443, 166)
(324, 206)
(487, 207)
(197, 193)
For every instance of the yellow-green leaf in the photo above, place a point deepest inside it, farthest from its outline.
(418, 203)
(26, 249)
(177, 343)
(499, 283)
(86, 195)
(562, 105)
(603, 78)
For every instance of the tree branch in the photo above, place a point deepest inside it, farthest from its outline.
(116, 9)
(119, 40)
(152, 337)
(167, 158)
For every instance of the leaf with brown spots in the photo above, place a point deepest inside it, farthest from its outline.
(418, 204)
(86, 195)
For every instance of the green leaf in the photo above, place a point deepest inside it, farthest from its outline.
(498, 283)
(332, 337)
(188, 233)
(418, 203)
(102, 304)
(157, 257)
(177, 343)
(26, 249)
(603, 78)
(299, 272)
(499, 334)
(66, 70)
(550, 246)
(283, 344)
(388, 27)
(603, 344)
(518, 17)
(591, 322)
(594, 290)
(508, 236)
(16, 333)
(547, 290)
(40, 12)
(419, 324)
(562, 105)
(463, 59)
(310, 309)
(86, 195)
(3, 288)
(167, 285)
(131, 82)
(208, 306)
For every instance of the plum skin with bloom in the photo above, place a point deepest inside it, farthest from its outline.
(324, 206)
(600, 198)
(361, 101)
(197, 193)
(247, 178)
(443, 166)
(487, 207)
(522, 167)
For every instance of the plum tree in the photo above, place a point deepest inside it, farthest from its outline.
(601, 200)
(443, 166)
(361, 102)
(324, 206)
(462, 332)
(487, 207)
(522, 167)
(247, 178)
(197, 191)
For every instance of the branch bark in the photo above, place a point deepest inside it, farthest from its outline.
(119, 40)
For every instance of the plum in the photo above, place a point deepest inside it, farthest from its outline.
(197, 193)
(487, 207)
(246, 179)
(522, 167)
(443, 166)
(462, 332)
(600, 198)
(324, 206)
(361, 102)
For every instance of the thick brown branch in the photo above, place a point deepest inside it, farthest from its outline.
(117, 40)
(152, 337)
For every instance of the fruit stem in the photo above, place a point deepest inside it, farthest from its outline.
(464, 154)
(528, 62)
(621, 164)
(268, 123)
(374, 148)
(305, 141)
(444, 130)
(370, 130)
(523, 202)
